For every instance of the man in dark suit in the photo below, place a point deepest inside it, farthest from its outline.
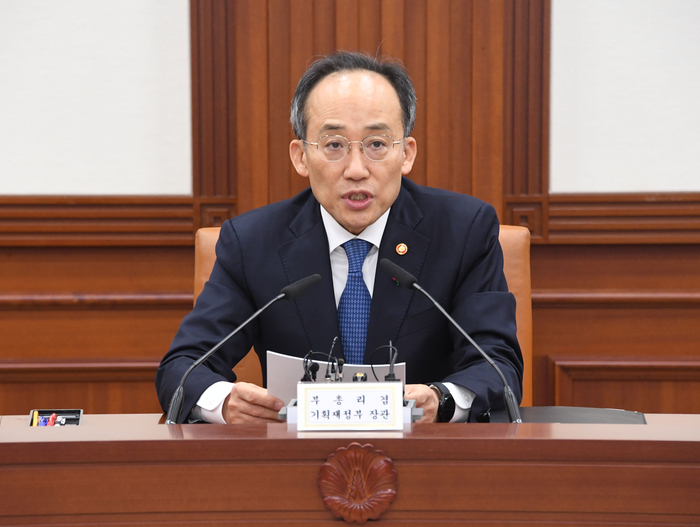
(353, 116)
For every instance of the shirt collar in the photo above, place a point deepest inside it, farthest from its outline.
(337, 235)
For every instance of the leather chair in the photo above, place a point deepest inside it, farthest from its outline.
(515, 242)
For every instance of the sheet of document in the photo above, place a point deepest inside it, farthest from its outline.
(284, 372)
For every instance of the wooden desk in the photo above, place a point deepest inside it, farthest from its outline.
(131, 469)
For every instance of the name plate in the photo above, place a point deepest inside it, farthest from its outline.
(349, 406)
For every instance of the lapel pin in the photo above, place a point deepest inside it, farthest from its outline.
(402, 249)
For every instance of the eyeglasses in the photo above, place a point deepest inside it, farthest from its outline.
(336, 147)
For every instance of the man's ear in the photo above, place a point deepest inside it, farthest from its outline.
(409, 155)
(298, 156)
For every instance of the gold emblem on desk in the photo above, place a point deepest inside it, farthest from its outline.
(358, 483)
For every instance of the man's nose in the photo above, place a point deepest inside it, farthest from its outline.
(356, 163)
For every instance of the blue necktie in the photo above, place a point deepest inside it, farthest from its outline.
(354, 305)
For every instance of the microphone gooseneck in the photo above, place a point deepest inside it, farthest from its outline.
(330, 359)
(409, 281)
(287, 292)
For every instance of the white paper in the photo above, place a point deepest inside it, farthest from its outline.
(284, 372)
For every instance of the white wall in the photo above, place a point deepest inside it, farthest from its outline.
(625, 96)
(95, 97)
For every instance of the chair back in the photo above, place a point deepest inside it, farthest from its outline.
(247, 370)
(515, 242)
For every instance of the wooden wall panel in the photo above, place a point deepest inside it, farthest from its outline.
(625, 218)
(98, 332)
(598, 306)
(49, 271)
(415, 60)
(95, 387)
(453, 49)
(97, 221)
(651, 386)
(85, 327)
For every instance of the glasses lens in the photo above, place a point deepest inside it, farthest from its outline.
(333, 147)
(377, 147)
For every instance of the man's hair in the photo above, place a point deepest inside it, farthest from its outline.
(348, 61)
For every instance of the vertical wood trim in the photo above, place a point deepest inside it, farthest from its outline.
(220, 117)
(371, 17)
(347, 25)
(521, 50)
(205, 104)
(300, 56)
(231, 178)
(525, 99)
(437, 146)
(393, 15)
(415, 59)
(509, 94)
(535, 103)
(195, 80)
(546, 57)
(461, 95)
(488, 100)
(279, 85)
(324, 27)
(252, 103)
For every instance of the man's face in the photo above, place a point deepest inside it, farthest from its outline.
(356, 191)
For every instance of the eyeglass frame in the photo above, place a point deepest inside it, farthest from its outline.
(362, 148)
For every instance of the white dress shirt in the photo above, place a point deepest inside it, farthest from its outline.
(210, 404)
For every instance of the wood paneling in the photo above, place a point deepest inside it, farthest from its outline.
(525, 181)
(453, 49)
(95, 221)
(625, 218)
(96, 270)
(95, 387)
(649, 386)
(85, 327)
(621, 268)
(597, 305)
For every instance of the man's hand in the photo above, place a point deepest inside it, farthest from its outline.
(426, 398)
(249, 403)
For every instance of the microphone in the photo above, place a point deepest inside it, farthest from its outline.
(330, 359)
(313, 369)
(341, 363)
(409, 281)
(298, 287)
(286, 293)
(393, 355)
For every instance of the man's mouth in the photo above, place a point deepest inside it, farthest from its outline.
(357, 200)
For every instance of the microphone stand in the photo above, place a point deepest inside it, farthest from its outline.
(288, 292)
(176, 402)
(409, 281)
(508, 395)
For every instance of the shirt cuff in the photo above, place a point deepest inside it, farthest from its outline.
(210, 404)
(463, 402)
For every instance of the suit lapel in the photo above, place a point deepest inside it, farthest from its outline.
(389, 301)
(305, 255)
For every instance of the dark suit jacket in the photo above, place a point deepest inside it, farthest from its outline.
(453, 250)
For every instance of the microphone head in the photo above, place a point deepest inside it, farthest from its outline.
(299, 286)
(402, 276)
(314, 367)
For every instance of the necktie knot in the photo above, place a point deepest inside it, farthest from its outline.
(357, 250)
